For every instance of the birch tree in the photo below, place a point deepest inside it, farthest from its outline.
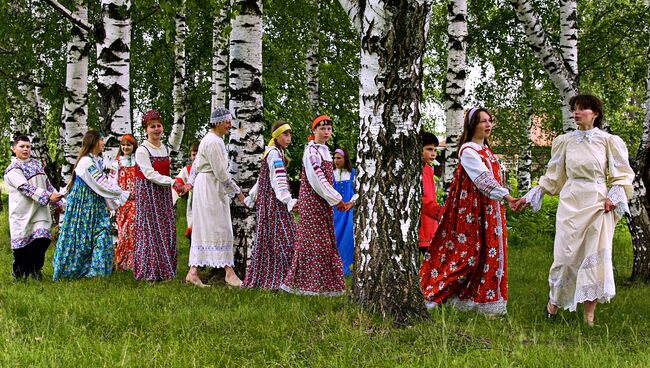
(562, 65)
(113, 39)
(220, 33)
(75, 104)
(246, 141)
(393, 39)
(455, 83)
(312, 61)
(638, 220)
(179, 89)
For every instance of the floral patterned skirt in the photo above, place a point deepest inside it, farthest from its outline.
(84, 246)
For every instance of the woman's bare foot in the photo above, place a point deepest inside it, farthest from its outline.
(195, 281)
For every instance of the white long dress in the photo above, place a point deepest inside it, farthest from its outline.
(212, 236)
(582, 166)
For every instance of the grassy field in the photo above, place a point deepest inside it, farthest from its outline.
(117, 321)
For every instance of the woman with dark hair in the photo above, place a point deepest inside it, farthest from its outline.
(212, 187)
(275, 225)
(583, 165)
(344, 176)
(85, 247)
(466, 265)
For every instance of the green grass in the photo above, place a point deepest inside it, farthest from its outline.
(117, 321)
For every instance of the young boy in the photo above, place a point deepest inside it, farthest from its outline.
(430, 206)
(30, 193)
(181, 179)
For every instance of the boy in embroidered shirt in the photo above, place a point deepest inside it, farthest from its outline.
(30, 193)
(430, 207)
(182, 179)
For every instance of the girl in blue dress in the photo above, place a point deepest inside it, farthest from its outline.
(343, 221)
(85, 247)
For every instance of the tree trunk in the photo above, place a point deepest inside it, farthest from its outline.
(312, 60)
(246, 142)
(639, 221)
(455, 85)
(563, 79)
(220, 57)
(393, 40)
(113, 38)
(525, 154)
(179, 89)
(74, 117)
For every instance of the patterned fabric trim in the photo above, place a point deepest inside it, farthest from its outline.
(281, 180)
(30, 168)
(617, 196)
(22, 242)
(497, 308)
(31, 191)
(315, 164)
(312, 293)
(486, 183)
(535, 197)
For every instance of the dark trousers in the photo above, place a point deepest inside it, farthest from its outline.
(29, 259)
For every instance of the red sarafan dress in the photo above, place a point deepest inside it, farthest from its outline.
(467, 260)
(123, 172)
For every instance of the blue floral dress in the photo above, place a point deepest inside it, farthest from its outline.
(85, 247)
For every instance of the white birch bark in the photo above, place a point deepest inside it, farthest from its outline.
(179, 89)
(220, 49)
(312, 60)
(390, 93)
(525, 155)
(569, 36)
(113, 38)
(455, 84)
(639, 218)
(74, 117)
(551, 60)
(246, 142)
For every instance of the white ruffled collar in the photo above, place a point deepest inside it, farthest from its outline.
(586, 135)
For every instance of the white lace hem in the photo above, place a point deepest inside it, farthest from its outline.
(211, 255)
(535, 197)
(312, 293)
(497, 308)
(617, 196)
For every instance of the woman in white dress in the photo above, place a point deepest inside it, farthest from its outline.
(212, 187)
(583, 165)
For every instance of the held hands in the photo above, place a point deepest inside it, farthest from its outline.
(609, 205)
(178, 187)
(241, 198)
(55, 197)
(516, 204)
(344, 206)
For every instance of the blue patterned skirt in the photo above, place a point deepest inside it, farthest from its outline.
(85, 247)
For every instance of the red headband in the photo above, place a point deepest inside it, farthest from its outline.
(129, 138)
(148, 116)
(319, 119)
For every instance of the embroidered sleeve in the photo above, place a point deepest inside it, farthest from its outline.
(99, 182)
(192, 176)
(617, 196)
(619, 171)
(480, 175)
(115, 170)
(278, 176)
(535, 197)
(16, 179)
(316, 177)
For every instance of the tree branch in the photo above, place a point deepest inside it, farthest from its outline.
(71, 16)
(153, 11)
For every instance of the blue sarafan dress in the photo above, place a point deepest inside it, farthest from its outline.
(85, 247)
(343, 221)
